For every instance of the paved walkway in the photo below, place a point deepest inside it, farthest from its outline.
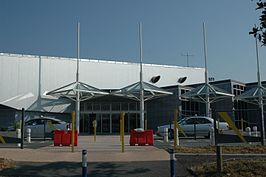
(105, 159)
(105, 149)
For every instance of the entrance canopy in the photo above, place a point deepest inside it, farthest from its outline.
(252, 95)
(201, 92)
(133, 91)
(69, 91)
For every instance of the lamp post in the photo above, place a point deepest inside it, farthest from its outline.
(141, 81)
(254, 32)
(77, 81)
(260, 96)
(206, 73)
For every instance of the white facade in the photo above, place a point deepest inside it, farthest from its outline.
(25, 78)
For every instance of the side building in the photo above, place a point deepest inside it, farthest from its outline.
(244, 114)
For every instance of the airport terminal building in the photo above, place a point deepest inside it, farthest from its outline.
(25, 80)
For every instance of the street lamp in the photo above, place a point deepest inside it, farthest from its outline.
(77, 106)
(141, 81)
(208, 114)
(257, 36)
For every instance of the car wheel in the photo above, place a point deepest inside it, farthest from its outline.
(209, 134)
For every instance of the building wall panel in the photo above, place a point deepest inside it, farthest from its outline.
(25, 78)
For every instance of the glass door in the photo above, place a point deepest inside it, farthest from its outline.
(115, 123)
(92, 117)
(126, 125)
(132, 121)
(84, 123)
(105, 123)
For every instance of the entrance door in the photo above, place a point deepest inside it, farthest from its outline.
(84, 123)
(105, 124)
(92, 117)
(126, 121)
(115, 123)
(134, 121)
(108, 122)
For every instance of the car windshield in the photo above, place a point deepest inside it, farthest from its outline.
(41, 121)
(35, 122)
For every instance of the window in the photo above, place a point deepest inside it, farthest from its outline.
(96, 107)
(204, 121)
(192, 121)
(116, 106)
(54, 122)
(30, 122)
(132, 106)
(238, 89)
(88, 107)
(124, 106)
(105, 107)
(39, 122)
(82, 107)
(35, 122)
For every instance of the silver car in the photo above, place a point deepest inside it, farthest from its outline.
(45, 126)
(198, 124)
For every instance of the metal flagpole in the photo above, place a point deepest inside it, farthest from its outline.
(141, 81)
(206, 73)
(77, 82)
(260, 96)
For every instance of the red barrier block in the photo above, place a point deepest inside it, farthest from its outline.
(66, 138)
(149, 137)
(141, 138)
(133, 140)
(75, 137)
(57, 137)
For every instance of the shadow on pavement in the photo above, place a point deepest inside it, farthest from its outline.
(35, 144)
(23, 169)
(115, 169)
(105, 169)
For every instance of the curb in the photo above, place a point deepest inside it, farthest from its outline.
(214, 154)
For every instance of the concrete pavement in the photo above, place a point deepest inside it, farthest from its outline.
(105, 149)
(43, 159)
(105, 159)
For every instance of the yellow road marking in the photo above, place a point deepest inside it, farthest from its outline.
(180, 129)
(2, 139)
(228, 119)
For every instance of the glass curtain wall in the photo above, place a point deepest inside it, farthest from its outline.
(190, 107)
(107, 116)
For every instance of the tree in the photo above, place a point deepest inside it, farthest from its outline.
(260, 31)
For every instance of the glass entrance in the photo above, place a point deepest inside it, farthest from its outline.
(84, 123)
(92, 117)
(134, 121)
(115, 123)
(105, 123)
(108, 123)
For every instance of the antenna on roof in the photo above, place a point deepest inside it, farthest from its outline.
(187, 55)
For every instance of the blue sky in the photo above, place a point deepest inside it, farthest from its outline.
(109, 31)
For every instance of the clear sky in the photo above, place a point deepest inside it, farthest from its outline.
(109, 31)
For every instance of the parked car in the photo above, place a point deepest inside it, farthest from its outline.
(201, 124)
(45, 124)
